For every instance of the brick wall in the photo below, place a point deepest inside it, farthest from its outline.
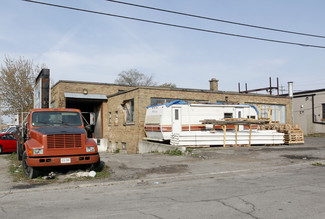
(130, 134)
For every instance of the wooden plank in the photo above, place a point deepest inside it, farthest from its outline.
(236, 129)
(224, 128)
(250, 135)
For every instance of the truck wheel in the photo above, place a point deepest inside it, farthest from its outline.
(19, 151)
(30, 172)
(97, 167)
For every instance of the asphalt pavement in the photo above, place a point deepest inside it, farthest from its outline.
(245, 182)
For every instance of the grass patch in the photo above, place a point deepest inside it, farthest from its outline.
(317, 164)
(175, 152)
(103, 174)
(16, 171)
(15, 168)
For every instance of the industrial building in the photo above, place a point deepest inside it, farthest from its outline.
(309, 110)
(120, 110)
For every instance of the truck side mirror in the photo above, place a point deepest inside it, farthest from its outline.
(92, 119)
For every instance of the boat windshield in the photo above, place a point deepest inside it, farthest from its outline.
(56, 118)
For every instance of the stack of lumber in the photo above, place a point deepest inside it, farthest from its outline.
(228, 138)
(293, 134)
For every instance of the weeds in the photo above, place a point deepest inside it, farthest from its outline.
(316, 135)
(16, 170)
(117, 151)
(317, 164)
(175, 152)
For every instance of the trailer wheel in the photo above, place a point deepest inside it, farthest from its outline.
(19, 151)
(30, 172)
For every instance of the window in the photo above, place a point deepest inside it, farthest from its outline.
(176, 114)
(109, 118)
(227, 115)
(271, 112)
(129, 110)
(116, 117)
(11, 137)
(116, 145)
(56, 118)
(123, 145)
(323, 107)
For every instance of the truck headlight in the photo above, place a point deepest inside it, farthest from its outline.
(38, 151)
(90, 149)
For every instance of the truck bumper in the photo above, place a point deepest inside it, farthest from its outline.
(63, 160)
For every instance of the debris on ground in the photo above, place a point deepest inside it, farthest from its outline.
(50, 176)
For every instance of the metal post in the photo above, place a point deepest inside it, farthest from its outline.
(270, 86)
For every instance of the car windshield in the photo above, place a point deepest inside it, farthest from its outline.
(56, 118)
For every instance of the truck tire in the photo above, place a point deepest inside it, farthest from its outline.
(98, 167)
(30, 172)
(19, 151)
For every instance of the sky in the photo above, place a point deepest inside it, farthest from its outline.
(81, 46)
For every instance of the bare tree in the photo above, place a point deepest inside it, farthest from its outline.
(17, 79)
(134, 78)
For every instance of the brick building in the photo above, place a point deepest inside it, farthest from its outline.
(120, 110)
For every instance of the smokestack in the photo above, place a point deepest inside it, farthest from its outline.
(290, 89)
(214, 84)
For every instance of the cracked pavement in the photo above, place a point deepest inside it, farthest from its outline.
(256, 182)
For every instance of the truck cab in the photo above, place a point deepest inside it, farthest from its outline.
(55, 137)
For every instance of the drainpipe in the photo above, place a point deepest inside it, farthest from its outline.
(290, 94)
(313, 111)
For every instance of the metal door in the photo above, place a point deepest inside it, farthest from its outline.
(176, 120)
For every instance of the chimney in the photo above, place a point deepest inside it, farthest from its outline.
(214, 84)
(290, 89)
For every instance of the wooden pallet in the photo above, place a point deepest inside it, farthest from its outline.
(292, 133)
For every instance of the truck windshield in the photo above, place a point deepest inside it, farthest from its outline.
(56, 118)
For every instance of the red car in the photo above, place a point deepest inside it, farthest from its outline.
(8, 143)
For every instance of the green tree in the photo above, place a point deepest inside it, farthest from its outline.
(133, 77)
(17, 79)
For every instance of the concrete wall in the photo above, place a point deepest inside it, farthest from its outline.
(302, 112)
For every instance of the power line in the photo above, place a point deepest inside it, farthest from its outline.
(218, 20)
(177, 26)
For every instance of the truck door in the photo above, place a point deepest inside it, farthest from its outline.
(176, 120)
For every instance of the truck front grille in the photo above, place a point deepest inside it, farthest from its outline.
(63, 141)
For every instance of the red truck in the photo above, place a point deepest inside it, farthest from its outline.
(54, 137)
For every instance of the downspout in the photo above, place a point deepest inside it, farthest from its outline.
(313, 111)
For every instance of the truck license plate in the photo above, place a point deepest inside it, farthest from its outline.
(66, 160)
